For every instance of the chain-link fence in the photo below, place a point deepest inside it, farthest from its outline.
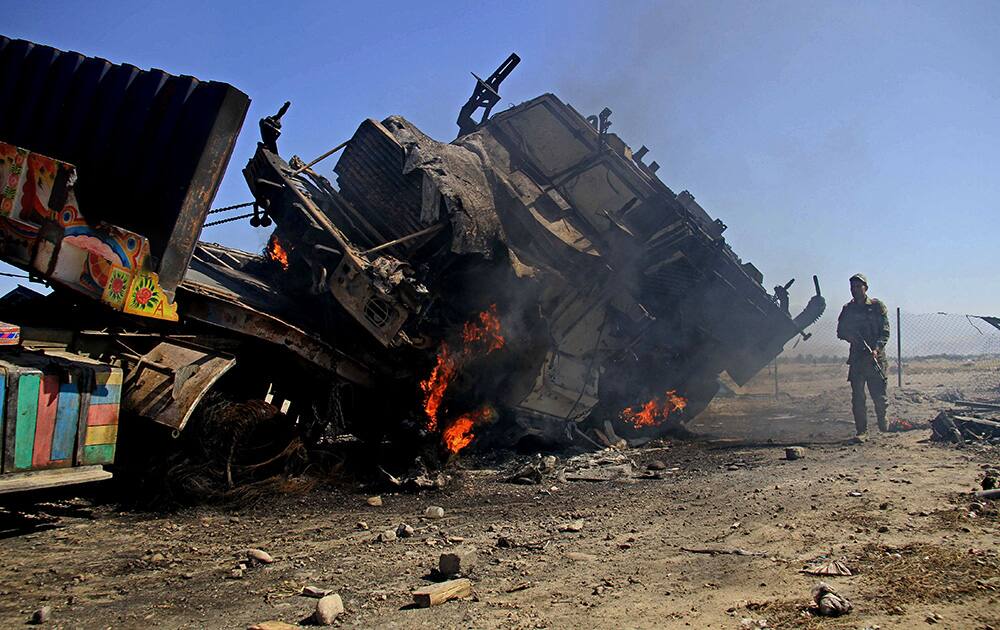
(922, 346)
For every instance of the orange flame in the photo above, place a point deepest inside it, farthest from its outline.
(459, 433)
(654, 412)
(276, 252)
(478, 337)
(487, 331)
(435, 385)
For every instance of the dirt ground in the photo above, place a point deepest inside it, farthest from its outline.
(896, 510)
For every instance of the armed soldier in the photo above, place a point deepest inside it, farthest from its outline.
(864, 322)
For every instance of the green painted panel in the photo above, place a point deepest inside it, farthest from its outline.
(99, 454)
(27, 413)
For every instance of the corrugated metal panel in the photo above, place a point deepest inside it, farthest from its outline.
(370, 176)
(150, 147)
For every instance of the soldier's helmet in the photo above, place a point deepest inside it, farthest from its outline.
(860, 277)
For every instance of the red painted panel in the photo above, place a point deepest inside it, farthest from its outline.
(45, 425)
(102, 414)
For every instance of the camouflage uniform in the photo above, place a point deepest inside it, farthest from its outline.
(868, 321)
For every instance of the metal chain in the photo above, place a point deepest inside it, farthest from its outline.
(237, 206)
(228, 220)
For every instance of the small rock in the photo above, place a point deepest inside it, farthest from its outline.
(854, 493)
(273, 625)
(549, 463)
(388, 535)
(314, 591)
(458, 561)
(156, 558)
(42, 615)
(794, 452)
(363, 526)
(375, 501)
(572, 526)
(656, 465)
(404, 531)
(883, 529)
(933, 618)
(328, 608)
(434, 511)
(260, 556)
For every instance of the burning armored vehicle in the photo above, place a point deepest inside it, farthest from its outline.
(533, 277)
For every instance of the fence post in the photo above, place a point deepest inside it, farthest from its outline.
(899, 351)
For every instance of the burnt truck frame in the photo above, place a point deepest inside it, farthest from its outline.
(611, 287)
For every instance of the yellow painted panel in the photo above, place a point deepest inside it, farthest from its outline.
(103, 434)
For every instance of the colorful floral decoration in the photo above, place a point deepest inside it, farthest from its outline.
(146, 298)
(103, 261)
(117, 287)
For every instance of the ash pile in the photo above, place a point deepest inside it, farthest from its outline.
(532, 280)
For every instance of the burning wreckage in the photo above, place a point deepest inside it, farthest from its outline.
(530, 279)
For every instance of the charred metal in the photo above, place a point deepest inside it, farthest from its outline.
(529, 278)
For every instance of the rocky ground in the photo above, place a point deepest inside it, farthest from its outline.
(712, 533)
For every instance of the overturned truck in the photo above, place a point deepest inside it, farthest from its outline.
(532, 278)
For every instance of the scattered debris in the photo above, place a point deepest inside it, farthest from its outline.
(439, 593)
(534, 472)
(328, 608)
(458, 561)
(603, 465)
(734, 552)
(833, 567)
(418, 478)
(960, 429)
(794, 452)
(521, 586)
(988, 494)
(829, 603)
(991, 480)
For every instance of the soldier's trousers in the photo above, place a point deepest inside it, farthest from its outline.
(876, 387)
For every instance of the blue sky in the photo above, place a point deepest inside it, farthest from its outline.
(832, 137)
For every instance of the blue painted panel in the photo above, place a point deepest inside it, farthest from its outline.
(106, 394)
(67, 418)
